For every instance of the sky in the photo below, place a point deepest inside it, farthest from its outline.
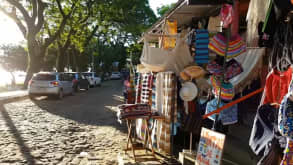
(10, 34)
(158, 3)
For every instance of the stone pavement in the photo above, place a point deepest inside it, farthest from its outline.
(80, 129)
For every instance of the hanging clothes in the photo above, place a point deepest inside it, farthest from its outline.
(288, 154)
(170, 29)
(262, 132)
(201, 46)
(138, 89)
(277, 84)
(169, 107)
(227, 116)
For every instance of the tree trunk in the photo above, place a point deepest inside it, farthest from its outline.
(60, 62)
(36, 55)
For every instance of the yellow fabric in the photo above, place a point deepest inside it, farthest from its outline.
(170, 29)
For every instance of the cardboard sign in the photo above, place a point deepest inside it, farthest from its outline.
(210, 148)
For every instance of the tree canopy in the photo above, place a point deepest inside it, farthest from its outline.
(78, 34)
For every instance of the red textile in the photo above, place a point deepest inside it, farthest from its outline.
(277, 85)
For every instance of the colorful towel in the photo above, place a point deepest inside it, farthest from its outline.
(201, 46)
(236, 45)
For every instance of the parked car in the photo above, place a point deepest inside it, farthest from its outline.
(115, 76)
(50, 84)
(93, 78)
(79, 81)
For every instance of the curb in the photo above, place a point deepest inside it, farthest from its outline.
(5, 100)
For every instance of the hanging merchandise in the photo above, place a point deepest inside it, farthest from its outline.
(288, 154)
(168, 83)
(201, 46)
(192, 72)
(277, 84)
(236, 45)
(285, 120)
(159, 60)
(215, 68)
(227, 91)
(262, 132)
(138, 88)
(188, 92)
(227, 14)
(255, 15)
(233, 69)
(227, 116)
(170, 29)
(215, 24)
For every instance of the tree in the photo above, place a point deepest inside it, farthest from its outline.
(14, 58)
(30, 17)
(163, 9)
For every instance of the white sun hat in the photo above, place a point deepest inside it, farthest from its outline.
(188, 92)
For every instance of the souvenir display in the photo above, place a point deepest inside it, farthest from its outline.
(201, 46)
(236, 45)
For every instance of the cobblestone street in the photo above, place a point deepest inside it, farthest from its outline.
(80, 129)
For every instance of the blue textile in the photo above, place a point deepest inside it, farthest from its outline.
(227, 116)
(201, 46)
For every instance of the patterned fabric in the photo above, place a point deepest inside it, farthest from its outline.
(170, 29)
(169, 106)
(285, 119)
(236, 45)
(227, 92)
(133, 110)
(138, 89)
(145, 88)
(154, 99)
(215, 68)
(201, 46)
(227, 116)
(233, 69)
(288, 154)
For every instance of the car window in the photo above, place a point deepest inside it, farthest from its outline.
(44, 77)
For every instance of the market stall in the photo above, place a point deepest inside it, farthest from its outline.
(194, 61)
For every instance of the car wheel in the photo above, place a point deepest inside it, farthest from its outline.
(60, 95)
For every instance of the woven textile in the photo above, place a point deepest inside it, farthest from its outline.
(170, 29)
(227, 116)
(154, 98)
(145, 88)
(285, 119)
(227, 89)
(288, 154)
(133, 110)
(236, 45)
(138, 88)
(169, 106)
(201, 46)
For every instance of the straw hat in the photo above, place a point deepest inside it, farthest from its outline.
(192, 72)
(188, 92)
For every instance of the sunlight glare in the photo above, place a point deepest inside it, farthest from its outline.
(9, 32)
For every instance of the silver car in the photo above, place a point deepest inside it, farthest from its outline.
(50, 84)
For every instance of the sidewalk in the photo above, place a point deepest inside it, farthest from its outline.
(12, 95)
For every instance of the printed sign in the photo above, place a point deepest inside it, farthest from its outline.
(210, 148)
